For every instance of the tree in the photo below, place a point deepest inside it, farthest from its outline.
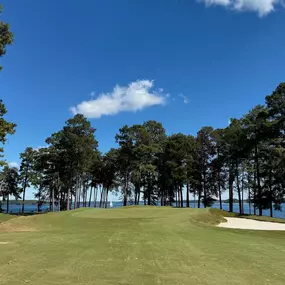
(26, 171)
(218, 170)
(6, 128)
(6, 36)
(9, 186)
(236, 152)
(178, 157)
(125, 158)
(257, 131)
(204, 155)
(71, 154)
(109, 174)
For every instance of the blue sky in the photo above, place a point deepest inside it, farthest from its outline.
(185, 63)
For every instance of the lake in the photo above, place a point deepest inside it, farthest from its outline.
(16, 208)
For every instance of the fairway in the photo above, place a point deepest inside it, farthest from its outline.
(136, 245)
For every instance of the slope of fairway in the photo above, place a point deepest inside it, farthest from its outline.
(137, 245)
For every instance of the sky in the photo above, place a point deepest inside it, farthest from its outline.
(185, 63)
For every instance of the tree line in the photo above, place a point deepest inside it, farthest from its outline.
(246, 159)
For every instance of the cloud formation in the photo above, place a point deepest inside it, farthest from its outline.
(262, 7)
(185, 98)
(136, 96)
(14, 164)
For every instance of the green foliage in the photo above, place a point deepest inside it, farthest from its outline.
(27, 173)
(6, 36)
(9, 179)
(6, 128)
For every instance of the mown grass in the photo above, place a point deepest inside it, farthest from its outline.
(264, 219)
(4, 218)
(137, 245)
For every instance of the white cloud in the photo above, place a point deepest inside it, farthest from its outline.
(92, 94)
(185, 98)
(13, 164)
(216, 2)
(40, 147)
(136, 96)
(262, 7)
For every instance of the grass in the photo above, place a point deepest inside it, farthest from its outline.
(264, 219)
(4, 218)
(137, 245)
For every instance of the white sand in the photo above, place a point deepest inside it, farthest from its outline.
(248, 224)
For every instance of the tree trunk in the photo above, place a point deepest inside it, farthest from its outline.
(219, 190)
(52, 199)
(79, 194)
(148, 196)
(138, 190)
(238, 188)
(204, 190)
(194, 194)
(249, 202)
(83, 194)
(176, 199)
(75, 197)
(23, 202)
(270, 193)
(181, 197)
(24, 193)
(242, 192)
(95, 195)
(7, 204)
(219, 182)
(187, 196)
(199, 198)
(106, 200)
(126, 190)
(249, 196)
(220, 200)
(68, 199)
(139, 194)
(258, 181)
(39, 199)
(178, 194)
(90, 197)
(101, 197)
(231, 192)
(59, 200)
(254, 193)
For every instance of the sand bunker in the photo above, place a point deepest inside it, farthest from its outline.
(247, 224)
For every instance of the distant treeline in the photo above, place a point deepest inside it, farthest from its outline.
(27, 202)
(35, 202)
(245, 161)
